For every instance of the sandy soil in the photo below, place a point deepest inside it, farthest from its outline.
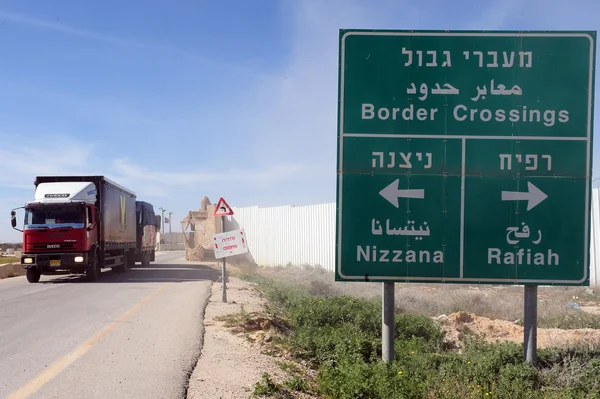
(460, 324)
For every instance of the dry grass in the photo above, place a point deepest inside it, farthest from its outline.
(494, 302)
(9, 259)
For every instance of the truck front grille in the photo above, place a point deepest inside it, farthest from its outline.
(53, 246)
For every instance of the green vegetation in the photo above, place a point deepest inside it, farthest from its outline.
(340, 338)
(266, 387)
(494, 302)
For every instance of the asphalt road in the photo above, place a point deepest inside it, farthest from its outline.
(132, 335)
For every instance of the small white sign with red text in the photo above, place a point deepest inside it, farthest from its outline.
(230, 243)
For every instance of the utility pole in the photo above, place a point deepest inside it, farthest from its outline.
(170, 221)
(162, 219)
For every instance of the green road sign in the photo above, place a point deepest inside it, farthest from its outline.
(465, 156)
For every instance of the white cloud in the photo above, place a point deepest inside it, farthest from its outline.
(177, 190)
(22, 161)
(293, 113)
(154, 191)
(67, 156)
(64, 28)
(110, 38)
(239, 175)
(290, 115)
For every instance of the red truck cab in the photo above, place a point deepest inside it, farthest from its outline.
(78, 224)
(54, 228)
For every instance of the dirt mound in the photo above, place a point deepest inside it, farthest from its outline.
(258, 323)
(500, 307)
(459, 325)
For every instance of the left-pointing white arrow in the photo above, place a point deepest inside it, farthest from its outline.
(391, 193)
(533, 197)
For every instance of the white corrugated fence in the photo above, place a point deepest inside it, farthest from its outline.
(305, 235)
(299, 235)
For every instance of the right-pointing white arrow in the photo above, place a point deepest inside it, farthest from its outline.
(533, 197)
(391, 193)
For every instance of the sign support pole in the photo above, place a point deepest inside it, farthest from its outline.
(388, 325)
(530, 324)
(223, 272)
(239, 246)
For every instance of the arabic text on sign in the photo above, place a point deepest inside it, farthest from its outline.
(448, 89)
(515, 234)
(499, 90)
(408, 230)
(437, 90)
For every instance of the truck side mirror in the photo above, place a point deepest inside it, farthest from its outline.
(91, 227)
(13, 219)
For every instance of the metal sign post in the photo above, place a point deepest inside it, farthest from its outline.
(222, 209)
(465, 157)
(387, 337)
(530, 324)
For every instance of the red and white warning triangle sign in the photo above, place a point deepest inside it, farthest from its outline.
(223, 208)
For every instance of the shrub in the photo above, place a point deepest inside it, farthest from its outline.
(340, 336)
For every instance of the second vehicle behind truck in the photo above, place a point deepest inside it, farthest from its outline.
(148, 224)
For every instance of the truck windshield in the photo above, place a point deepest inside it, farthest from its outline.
(55, 216)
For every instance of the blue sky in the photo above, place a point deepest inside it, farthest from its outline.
(178, 100)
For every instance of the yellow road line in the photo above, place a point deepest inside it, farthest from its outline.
(61, 364)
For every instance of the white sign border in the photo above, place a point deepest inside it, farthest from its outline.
(462, 279)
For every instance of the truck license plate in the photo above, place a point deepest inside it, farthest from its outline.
(55, 263)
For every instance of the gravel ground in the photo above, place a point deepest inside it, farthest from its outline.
(230, 364)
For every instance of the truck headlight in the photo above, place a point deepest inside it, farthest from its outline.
(28, 260)
(78, 259)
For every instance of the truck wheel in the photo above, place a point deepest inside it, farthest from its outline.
(123, 267)
(126, 261)
(131, 259)
(92, 271)
(145, 259)
(33, 274)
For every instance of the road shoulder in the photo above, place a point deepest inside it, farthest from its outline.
(10, 270)
(230, 363)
